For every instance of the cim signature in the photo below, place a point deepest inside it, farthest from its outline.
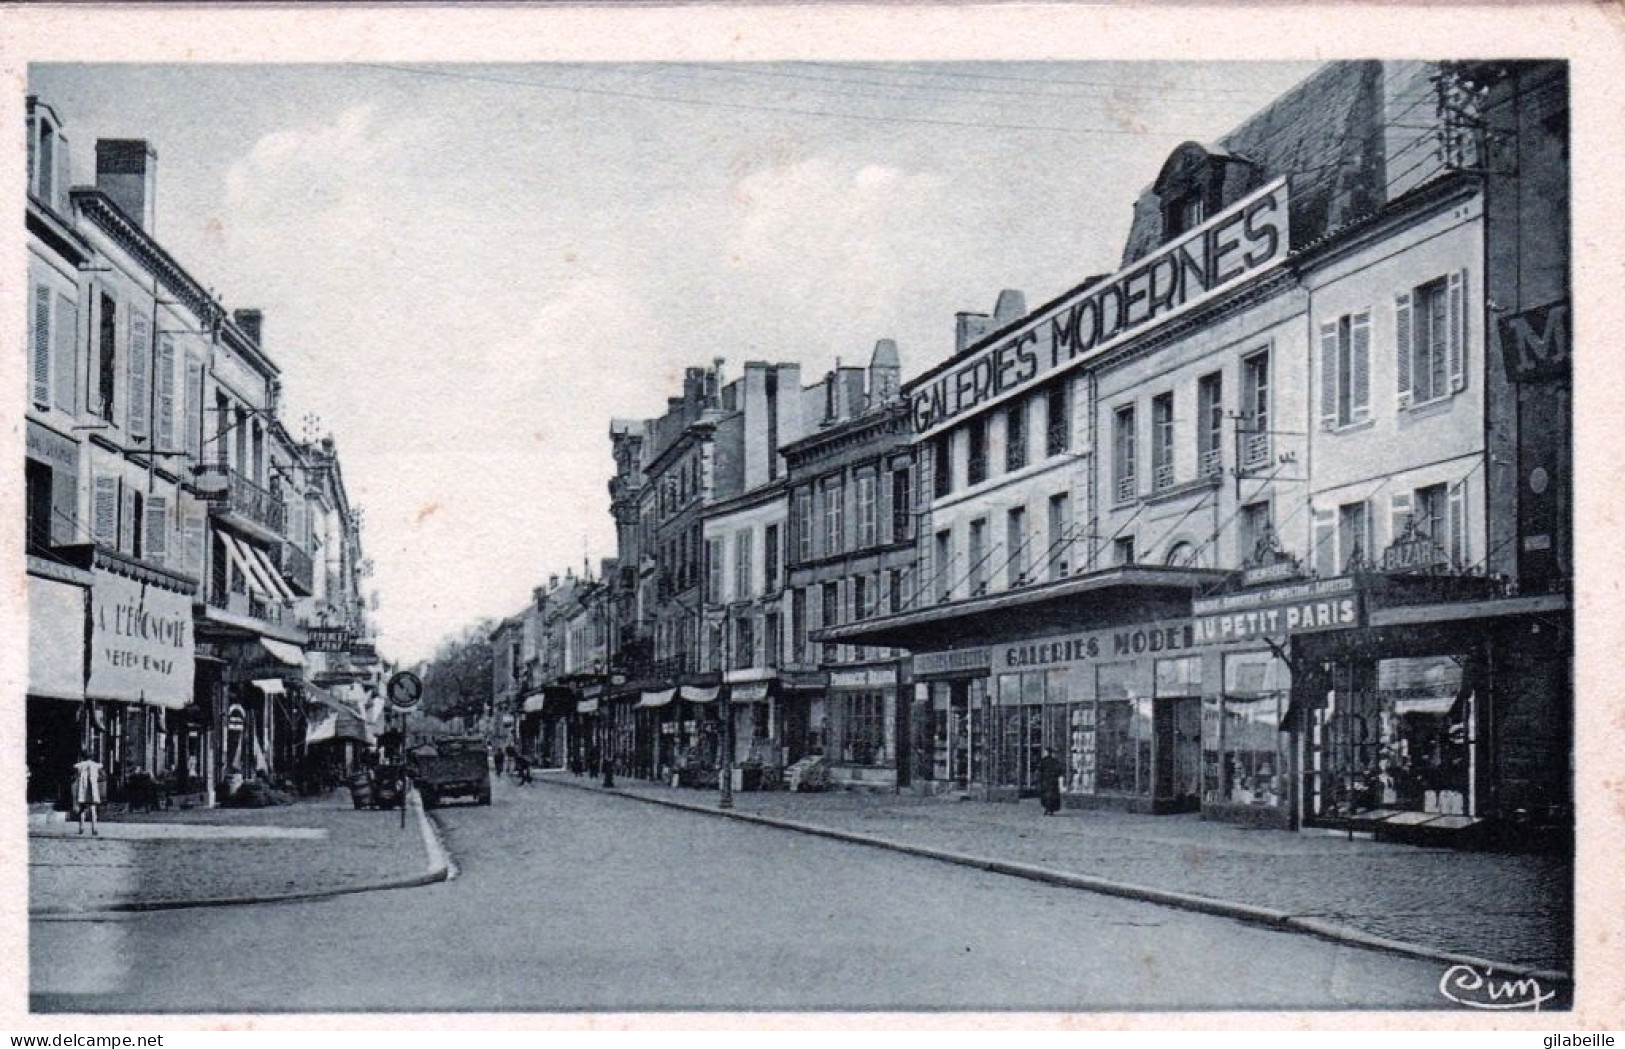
(1465, 985)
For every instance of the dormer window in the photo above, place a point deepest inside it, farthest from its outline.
(47, 155)
(1183, 214)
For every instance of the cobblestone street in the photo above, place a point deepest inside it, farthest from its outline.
(1510, 908)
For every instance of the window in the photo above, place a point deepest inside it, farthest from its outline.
(136, 523)
(1015, 541)
(1162, 441)
(894, 590)
(902, 516)
(743, 552)
(1123, 485)
(804, 524)
(867, 526)
(1440, 515)
(770, 560)
(771, 643)
(976, 451)
(942, 563)
(1060, 535)
(1353, 535)
(1255, 406)
(1057, 417)
(834, 515)
(860, 597)
(1430, 340)
(1210, 425)
(858, 728)
(39, 495)
(942, 461)
(978, 557)
(106, 359)
(744, 653)
(1182, 214)
(832, 616)
(1015, 435)
(798, 625)
(713, 571)
(1256, 534)
(1345, 370)
(1123, 550)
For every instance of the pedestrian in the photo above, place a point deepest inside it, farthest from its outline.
(501, 758)
(1049, 782)
(87, 789)
(521, 767)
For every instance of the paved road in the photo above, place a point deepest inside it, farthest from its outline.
(572, 901)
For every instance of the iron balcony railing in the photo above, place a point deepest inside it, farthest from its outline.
(1164, 476)
(238, 495)
(1212, 462)
(298, 569)
(1255, 449)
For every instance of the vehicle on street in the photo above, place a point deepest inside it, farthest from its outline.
(451, 767)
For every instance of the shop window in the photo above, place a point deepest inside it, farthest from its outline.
(976, 451)
(858, 730)
(1015, 435)
(1429, 342)
(1345, 370)
(1244, 749)
(1122, 731)
(1057, 417)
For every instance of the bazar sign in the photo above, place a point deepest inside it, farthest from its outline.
(1242, 241)
(140, 642)
(1323, 604)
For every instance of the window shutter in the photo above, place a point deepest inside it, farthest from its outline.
(42, 345)
(155, 547)
(140, 373)
(104, 512)
(67, 361)
(194, 407)
(194, 544)
(164, 440)
(1458, 524)
(1458, 330)
(126, 520)
(1325, 543)
(1360, 366)
(1328, 375)
(1403, 348)
(1399, 514)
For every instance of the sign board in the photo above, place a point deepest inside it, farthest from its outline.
(328, 638)
(1240, 242)
(140, 642)
(235, 718)
(1537, 343)
(405, 690)
(1277, 611)
(863, 677)
(952, 661)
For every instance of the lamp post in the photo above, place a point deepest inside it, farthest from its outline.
(725, 780)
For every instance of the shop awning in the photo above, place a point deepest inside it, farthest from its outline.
(271, 686)
(248, 568)
(534, 704)
(656, 699)
(321, 726)
(587, 706)
(749, 692)
(284, 652)
(696, 694)
(273, 575)
(329, 700)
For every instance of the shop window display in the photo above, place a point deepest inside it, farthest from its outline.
(1122, 732)
(1252, 765)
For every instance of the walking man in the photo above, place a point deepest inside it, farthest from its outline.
(1049, 782)
(87, 789)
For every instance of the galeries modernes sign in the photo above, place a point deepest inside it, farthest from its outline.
(1240, 242)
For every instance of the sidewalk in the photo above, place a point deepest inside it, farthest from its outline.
(1511, 909)
(195, 857)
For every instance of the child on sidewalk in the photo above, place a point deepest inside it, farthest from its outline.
(87, 790)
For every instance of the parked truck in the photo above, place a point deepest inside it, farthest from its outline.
(451, 767)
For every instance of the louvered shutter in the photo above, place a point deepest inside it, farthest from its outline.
(1403, 348)
(104, 511)
(194, 545)
(42, 346)
(67, 361)
(1325, 557)
(1458, 331)
(140, 376)
(126, 520)
(194, 407)
(1360, 367)
(1458, 524)
(1400, 509)
(1328, 375)
(164, 440)
(156, 544)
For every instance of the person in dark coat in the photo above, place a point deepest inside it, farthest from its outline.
(1050, 772)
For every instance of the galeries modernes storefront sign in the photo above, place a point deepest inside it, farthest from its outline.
(141, 643)
(1240, 242)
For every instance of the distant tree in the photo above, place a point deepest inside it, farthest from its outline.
(458, 680)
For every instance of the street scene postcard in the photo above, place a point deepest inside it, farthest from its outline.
(801, 535)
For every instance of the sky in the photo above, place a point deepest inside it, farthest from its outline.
(467, 270)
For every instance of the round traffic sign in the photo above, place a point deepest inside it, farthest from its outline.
(405, 690)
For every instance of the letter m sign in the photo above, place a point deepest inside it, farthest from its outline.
(1536, 343)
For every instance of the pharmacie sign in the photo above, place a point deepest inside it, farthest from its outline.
(1321, 604)
(1238, 243)
(141, 644)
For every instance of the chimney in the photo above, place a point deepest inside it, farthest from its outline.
(1011, 307)
(252, 322)
(968, 327)
(884, 373)
(851, 393)
(127, 171)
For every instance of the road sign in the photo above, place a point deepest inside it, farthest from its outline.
(405, 690)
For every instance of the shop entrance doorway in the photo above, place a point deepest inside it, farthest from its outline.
(1177, 728)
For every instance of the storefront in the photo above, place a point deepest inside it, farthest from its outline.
(56, 678)
(862, 710)
(955, 683)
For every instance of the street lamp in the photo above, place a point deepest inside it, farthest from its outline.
(725, 780)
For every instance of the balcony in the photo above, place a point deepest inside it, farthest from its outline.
(1255, 450)
(1126, 489)
(1212, 464)
(242, 502)
(1163, 476)
(298, 569)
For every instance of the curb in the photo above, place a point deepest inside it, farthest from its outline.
(1254, 915)
(441, 868)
